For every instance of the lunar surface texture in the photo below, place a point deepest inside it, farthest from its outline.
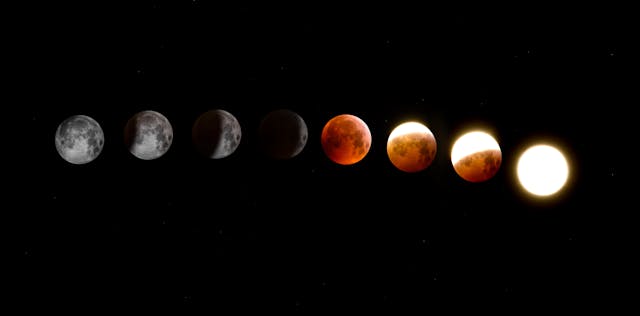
(79, 139)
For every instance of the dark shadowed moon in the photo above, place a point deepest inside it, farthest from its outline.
(216, 134)
(283, 134)
(346, 139)
(148, 135)
(79, 139)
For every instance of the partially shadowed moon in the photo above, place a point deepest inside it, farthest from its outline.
(283, 134)
(411, 147)
(216, 134)
(346, 139)
(79, 139)
(476, 156)
(148, 135)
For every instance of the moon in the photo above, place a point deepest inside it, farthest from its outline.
(542, 170)
(216, 134)
(411, 147)
(283, 134)
(79, 139)
(476, 156)
(148, 135)
(346, 139)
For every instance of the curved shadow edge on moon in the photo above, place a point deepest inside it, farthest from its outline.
(412, 152)
(216, 134)
(480, 166)
(283, 134)
(148, 135)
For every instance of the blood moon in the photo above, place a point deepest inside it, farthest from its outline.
(346, 139)
(476, 156)
(411, 147)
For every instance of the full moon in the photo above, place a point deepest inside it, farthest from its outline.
(283, 134)
(346, 139)
(476, 156)
(411, 147)
(148, 135)
(542, 170)
(79, 139)
(216, 134)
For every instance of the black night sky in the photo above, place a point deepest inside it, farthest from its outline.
(247, 233)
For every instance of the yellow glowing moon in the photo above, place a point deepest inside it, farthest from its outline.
(542, 170)
(476, 156)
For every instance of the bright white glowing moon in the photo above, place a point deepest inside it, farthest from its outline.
(408, 128)
(542, 170)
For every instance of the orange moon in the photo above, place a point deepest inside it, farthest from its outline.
(476, 156)
(411, 147)
(346, 139)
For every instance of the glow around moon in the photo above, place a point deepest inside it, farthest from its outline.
(411, 147)
(542, 170)
(476, 156)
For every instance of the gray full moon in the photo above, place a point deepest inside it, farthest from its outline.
(216, 134)
(79, 139)
(148, 135)
(283, 134)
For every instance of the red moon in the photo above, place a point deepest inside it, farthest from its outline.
(411, 147)
(346, 139)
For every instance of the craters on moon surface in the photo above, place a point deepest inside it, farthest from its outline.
(476, 156)
(411, 147)
(346, 139)
(216, 134)
(148, 135)
(79, 139)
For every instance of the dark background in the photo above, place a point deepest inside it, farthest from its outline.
(246, 233)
